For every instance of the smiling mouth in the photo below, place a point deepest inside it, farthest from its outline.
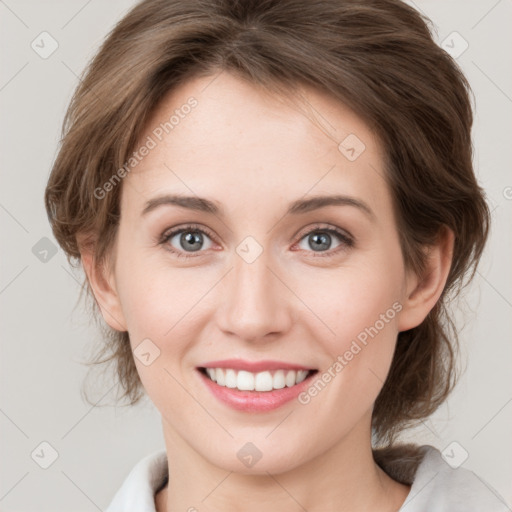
(269, 380)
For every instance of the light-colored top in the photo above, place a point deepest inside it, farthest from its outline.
(435, 486)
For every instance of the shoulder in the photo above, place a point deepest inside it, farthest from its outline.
(435, 484)
(137, 493)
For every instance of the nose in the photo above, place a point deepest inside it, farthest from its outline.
(255, 302)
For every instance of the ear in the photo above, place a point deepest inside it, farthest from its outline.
(101, 280)
(422, 292)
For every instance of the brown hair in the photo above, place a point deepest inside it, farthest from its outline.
(376, 56)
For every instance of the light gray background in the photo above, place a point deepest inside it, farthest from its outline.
(44, 338)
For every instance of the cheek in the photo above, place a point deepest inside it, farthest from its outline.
(160, 305)
(358, 309)
(349, 300)
(360, 355)
(156, 297)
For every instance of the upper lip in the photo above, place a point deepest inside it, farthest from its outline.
(253, 366)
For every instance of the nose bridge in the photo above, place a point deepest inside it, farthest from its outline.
(254, 300)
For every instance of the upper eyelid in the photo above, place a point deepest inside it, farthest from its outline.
(327, 227)
(187, 227)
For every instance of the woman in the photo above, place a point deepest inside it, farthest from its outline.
(272, 201)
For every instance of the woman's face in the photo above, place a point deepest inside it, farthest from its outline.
(264, 271)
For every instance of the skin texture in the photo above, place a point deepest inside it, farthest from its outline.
(254, 153)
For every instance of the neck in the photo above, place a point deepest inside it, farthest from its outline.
(345, 477)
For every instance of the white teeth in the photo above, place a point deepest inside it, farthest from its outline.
(261, 381)
(245, 381)
(231, 379)
(301, 375)
(221, 379)
(278, 380)
(290, 378)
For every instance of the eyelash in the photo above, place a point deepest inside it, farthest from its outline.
(347, 241)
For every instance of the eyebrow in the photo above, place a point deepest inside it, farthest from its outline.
(299, 206)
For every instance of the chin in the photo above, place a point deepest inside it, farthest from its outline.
(252, 458)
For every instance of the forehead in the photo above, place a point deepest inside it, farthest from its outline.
(222, 137)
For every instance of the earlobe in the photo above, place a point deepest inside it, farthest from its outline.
(104, 290)
(423, 293)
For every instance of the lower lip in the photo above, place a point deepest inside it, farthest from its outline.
(255, 401)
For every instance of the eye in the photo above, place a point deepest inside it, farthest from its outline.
(187, 239)
(321, 239)
(190, 239)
